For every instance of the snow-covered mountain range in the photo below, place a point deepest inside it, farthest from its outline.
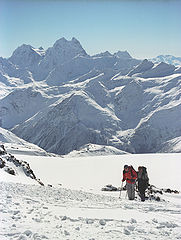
(62, 99)
(169, 59)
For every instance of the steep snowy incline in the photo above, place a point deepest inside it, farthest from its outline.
(173, 145)
(12, 76)
(162, 119)
(159, 70)
(21, 104)
(162, 126)
(14, 144)
(70, 70)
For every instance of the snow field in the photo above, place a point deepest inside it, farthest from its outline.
(75, 208)
(36, 212)
(93, 173)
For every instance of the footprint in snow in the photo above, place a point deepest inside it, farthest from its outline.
(102, 222)
(66, 233)
(126, 231)
(89, 221)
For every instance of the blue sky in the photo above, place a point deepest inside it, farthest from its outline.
(145, 28)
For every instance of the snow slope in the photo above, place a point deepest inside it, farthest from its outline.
(21, 104)
(95, 150)
(33, 212)
(146, 69)
(15, 170)
(76, 208)
(14, 144)
(173, 145)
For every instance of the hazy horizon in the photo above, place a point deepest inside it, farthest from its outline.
(145, 29)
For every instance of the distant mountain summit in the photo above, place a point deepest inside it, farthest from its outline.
(26, 56)
(122, 55)
(169, 59)
(145, 65)
(64, 50)
(147, 69)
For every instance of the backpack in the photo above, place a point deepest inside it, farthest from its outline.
(132, 169)
(133, 174)
(144, 174)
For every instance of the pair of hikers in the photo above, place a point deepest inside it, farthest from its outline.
(131, 176)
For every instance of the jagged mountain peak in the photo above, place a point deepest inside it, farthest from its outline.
(25, 56)
(122, 54)
(64, 40)
(165, 67)
(23, 50)
(60, 42)
(74, 40)
(63, 45)
(145, 65)
(103, 54)
(148, 69)
(163, 64)
(24, 47)
(61, 52)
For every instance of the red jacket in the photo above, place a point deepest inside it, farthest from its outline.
(130, 176)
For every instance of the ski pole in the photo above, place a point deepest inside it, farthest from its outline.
(126, 194)
(121, 190)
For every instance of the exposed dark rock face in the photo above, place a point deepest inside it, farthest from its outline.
(6, 159)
